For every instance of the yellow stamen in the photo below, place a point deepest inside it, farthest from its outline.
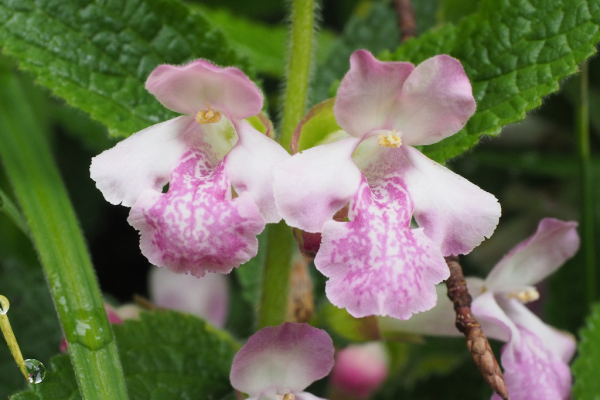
(525, 296)
(391, 139)
(289, 396)
(209, 116)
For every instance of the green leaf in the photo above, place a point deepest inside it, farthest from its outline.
(515, 53)
(319, 126)
(587, 385)
(7, 206)
(59, 242)
(425, 14)
(455, 10)
(32, 318)
(97, 54)
(165, 355)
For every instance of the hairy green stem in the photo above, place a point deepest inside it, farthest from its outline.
(58, 239)
(272, 309)
(587, 220)
(298, 68)
(276, 276)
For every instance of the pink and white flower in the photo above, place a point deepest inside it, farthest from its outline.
(278, 363)
(206, 297)
(197, 226)
(376, 263)
(536, 356)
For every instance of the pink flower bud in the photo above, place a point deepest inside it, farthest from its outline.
(360, 369)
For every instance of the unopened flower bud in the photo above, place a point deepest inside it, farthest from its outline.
(360, 370)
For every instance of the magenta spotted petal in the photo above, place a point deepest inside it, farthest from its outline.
(376, 263)
(281, 360)
(533, 373)
(196, 227)
(536, 357)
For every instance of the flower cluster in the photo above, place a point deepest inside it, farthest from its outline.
(203, 185)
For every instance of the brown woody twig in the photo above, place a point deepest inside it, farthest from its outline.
(406, 19)
(477, 342)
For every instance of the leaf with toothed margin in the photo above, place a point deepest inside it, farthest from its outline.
(515, 52)
(165, 356)
(97, 54)
(585, 367)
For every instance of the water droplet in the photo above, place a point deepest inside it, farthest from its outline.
(35, 371)
(4, 305)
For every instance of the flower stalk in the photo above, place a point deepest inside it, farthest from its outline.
(273, 307)
(477, 342)
(298, 68)
(59, 242)
(406, 19)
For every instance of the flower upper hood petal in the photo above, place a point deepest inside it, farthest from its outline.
(535, 258)
(369, 93)
(424, 104)
(189, 88)
(282, 359)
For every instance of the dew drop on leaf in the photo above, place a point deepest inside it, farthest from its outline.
(35, 370)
